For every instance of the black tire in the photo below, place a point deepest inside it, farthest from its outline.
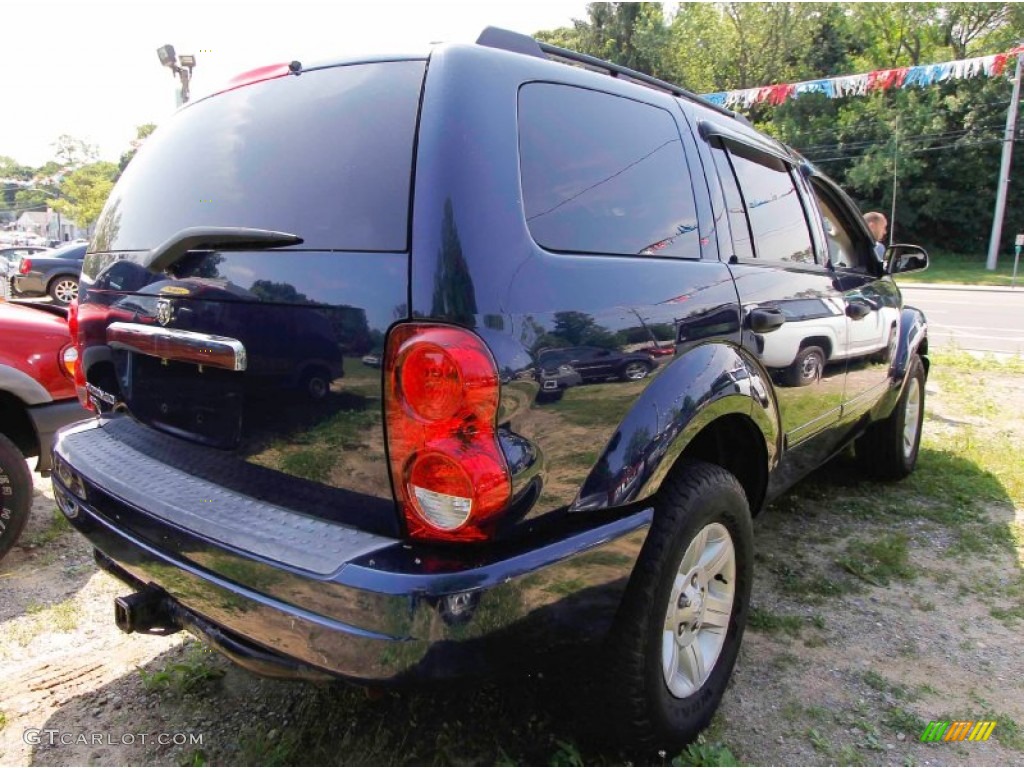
(807, 368)
(63, 289)
(635, 370)
(882, 451)
(15, 494)
(316, 383)
(644, 710)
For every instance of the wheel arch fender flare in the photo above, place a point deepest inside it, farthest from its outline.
(912, 335)
(699, 388)
(912, 340)
(23, 386)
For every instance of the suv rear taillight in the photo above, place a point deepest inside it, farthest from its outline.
(441, 400)
(25, 265)
(73, 362)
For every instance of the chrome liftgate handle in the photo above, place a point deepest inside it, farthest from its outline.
(181, 346)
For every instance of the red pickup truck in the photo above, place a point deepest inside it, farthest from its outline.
(37, 397)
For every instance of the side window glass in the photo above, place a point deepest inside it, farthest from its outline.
(842, 245)
(742, 246)
(776, 214)
(604, 174)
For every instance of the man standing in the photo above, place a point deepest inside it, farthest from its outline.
(878, 225)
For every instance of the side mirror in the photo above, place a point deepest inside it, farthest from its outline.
(901, 259)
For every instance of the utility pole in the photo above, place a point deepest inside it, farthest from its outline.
(895, 161)
(1004, 170)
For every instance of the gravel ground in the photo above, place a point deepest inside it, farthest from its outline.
(837, 668)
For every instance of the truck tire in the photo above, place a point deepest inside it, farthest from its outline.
(678, 631)
(888, 449)
(15, 494)
(807, 368)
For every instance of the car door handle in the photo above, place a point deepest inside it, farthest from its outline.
(857, 310)
(765, 320)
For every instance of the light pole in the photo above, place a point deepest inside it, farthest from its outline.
(183, 69)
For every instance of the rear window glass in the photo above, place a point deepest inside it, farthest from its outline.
(326, 155)
(604, 174)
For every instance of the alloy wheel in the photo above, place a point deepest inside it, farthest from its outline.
(699, 609)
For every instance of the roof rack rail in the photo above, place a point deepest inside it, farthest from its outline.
(516, 42)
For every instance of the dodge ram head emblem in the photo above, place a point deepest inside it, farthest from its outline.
(164, 311)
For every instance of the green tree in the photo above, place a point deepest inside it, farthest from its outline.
(74, 153)
(142, 132)
(84, 192)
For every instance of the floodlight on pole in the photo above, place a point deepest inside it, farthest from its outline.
(169, 59)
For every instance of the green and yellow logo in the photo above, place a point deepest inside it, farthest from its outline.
(958, 730)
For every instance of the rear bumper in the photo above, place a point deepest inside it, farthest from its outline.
(387, 613)
(32, 283)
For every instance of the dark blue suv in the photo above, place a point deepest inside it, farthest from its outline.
(423, 513)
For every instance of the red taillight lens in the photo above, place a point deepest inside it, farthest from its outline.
(25, 265)
(431, 382)
(77, 371)
(448, 472)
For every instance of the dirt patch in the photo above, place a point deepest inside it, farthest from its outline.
(877, 608)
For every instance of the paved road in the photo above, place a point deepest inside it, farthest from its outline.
(984, 321)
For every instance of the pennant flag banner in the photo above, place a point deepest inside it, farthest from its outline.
(879, 80)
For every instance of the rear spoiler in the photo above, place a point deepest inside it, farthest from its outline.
(214, 238)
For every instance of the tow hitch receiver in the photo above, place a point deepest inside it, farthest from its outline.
(145, 612)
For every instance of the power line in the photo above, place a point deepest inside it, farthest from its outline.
(978, 127)
(963, 145)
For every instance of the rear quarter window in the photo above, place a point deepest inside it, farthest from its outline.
(325, 155)
(604, 174)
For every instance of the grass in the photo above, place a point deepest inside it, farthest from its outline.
(820, 743)
(197, 669)
(766, 621)
(904, 721)
(3, 720)
(699, 753)
(196, 757)
(1007, 730)
(944, 267)
(64, 616)
(311, 464)
(56, 528)
(879, 683)
(945, 361)
(879, 561)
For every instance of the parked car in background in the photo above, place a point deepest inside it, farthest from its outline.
(37, 396)
(818, 332)
(11, 256)
(486, 211)
(54, 273)
(595, 364)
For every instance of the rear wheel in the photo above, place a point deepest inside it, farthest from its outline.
(15, 494)
(679, 629)
(316, 383)
(807, 368)
(63, 289)
(888, 449)
(635, 370)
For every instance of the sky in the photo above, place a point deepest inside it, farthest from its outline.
(90, 69)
